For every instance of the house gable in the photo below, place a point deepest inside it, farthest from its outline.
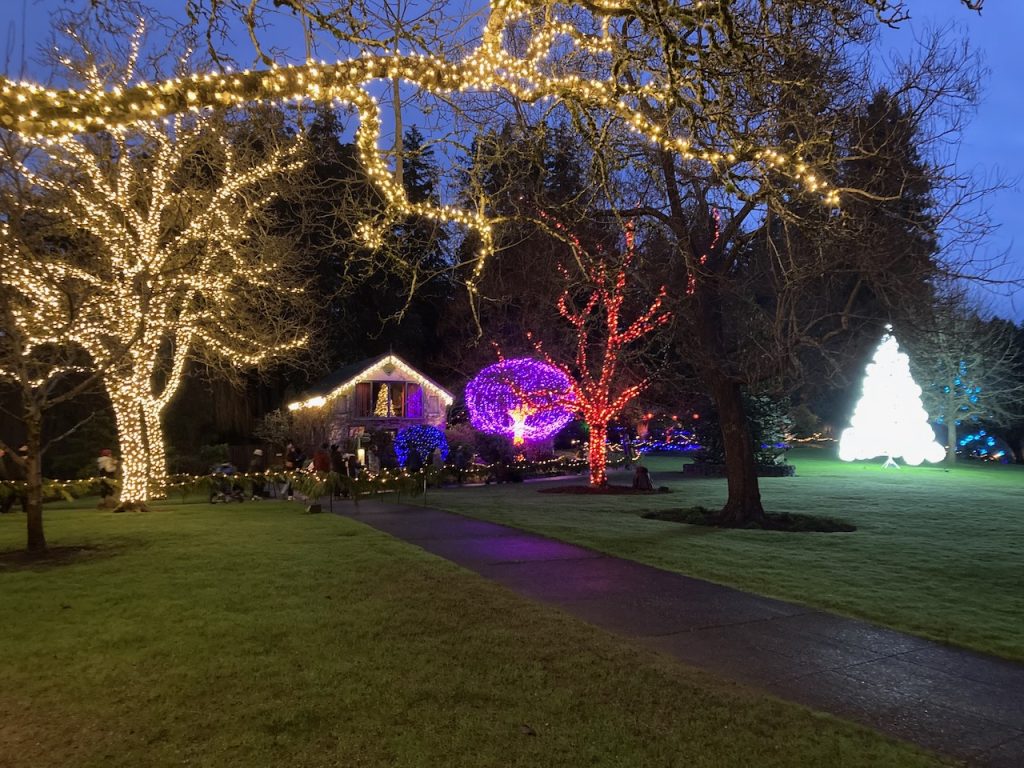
(380, 392)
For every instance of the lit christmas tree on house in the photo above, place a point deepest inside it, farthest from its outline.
(889, 419)
(383, 407)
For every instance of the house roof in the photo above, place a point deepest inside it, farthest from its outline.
(336, 382)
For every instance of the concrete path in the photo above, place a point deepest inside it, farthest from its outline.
(962, 704)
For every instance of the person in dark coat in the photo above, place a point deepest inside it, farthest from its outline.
(14, 470)
(257, 468)
(352, 465)
(106, 465)
(322, 459)
(462, 457)
(340, 468)
(292, 463)
(414, 462)
(642, 479)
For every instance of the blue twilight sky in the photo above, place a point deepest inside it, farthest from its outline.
(992, 147)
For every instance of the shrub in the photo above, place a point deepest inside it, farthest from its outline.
(769, 425)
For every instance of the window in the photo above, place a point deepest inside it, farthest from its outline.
(363, 400)
(398, 399)
(413, 401)
(388, 399)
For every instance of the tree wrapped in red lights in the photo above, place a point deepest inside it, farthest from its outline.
(599, 326)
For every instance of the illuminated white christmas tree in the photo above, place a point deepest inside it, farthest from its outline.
(889, 419)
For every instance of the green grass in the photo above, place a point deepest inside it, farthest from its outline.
(253, 635)
(937, 553)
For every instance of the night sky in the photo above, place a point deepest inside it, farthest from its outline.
(993, 145)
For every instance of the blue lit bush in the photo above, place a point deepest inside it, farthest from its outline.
(421, 439)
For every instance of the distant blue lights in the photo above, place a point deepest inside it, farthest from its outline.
(981, 445)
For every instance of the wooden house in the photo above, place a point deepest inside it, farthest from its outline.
(382, 392)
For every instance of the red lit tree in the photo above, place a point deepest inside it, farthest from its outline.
(599, 383)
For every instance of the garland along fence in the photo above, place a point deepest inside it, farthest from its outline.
(314, 485)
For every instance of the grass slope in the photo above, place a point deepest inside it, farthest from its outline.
(255, 636)
(937, 553)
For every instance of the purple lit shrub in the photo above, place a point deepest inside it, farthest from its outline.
(522, 398)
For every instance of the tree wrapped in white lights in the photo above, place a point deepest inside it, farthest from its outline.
(565, 57)
(168, 227)
(889, 420)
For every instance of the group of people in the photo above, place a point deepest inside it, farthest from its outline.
(326, 458)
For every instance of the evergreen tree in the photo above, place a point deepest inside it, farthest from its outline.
(383, 405)
(890, 420)
(520, 173)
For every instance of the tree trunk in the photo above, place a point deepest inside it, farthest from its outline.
(34, 484)
(156, 487)
(743, 505)
(951, 441)
(597, 453)
(140, 438)
(949, 409)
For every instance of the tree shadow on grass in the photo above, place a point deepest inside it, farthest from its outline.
(785, 522)
(12, 561)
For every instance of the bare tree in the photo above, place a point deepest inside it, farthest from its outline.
(600, 381)
(969, 369)
(768, 274)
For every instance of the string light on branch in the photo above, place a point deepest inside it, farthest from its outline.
(691, 277)
(530, 75)
(601, 396)
(171, 264)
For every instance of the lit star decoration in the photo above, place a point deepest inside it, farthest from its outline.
(519, 415)
(522, 398)
(168, 268)
(889, 419)
(531, 71)
(421, 438)
(596, 395)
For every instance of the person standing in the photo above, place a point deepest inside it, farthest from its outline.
(13, 474)
(437, 465)
(106, 466)
(337, 460)
(414, 462)
(339, 470)
(461, 463)
(292, 463)
(258, 468)
(322, 459)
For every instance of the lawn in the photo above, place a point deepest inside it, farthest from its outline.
(937, 553)
(254, 635)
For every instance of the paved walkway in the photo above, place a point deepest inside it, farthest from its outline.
(955, 702)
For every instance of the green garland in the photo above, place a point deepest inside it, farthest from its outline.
(319, 484)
